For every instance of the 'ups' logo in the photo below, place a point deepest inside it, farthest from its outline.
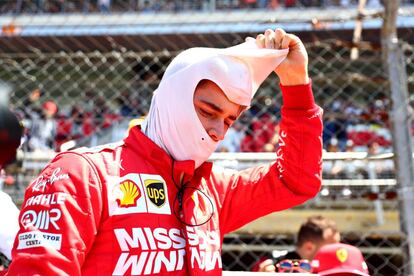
(155, 191)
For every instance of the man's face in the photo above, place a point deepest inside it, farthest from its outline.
(215, 111)
(329, 237)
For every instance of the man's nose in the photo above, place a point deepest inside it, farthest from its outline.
(217, 132)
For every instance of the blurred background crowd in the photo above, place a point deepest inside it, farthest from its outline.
(106, 6)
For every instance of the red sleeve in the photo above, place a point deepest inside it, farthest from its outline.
(293, 178)
(59, 219)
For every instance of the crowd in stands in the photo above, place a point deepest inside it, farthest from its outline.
(348, 125)
(107, 6)
(47, 126)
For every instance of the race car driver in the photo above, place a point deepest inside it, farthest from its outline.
(152, 205)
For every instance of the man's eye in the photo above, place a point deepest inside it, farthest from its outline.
(206, 113)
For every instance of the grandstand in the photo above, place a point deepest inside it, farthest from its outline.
(99, 67)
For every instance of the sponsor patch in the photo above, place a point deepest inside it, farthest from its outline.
(43, 219)
(129, 194)
(137, 193)
(42, 182)
(147, 251)
(157, 194)
(155, 191)
(46, 199)
(125, 195)
(39, 239)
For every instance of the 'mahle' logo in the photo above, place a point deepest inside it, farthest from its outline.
(155, 191)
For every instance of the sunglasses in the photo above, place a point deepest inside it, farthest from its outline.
(302, 266)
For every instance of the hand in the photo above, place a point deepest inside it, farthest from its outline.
(294, 69)
(267, 266)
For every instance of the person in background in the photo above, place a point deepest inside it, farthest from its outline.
(233, 138)
(339, 259)
(315, 232)
(11, 132)
(10, 135)
(43, 129)
(104, 6)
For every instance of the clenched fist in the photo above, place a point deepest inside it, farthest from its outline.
(294, 69)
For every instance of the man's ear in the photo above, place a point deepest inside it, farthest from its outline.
(309, 246)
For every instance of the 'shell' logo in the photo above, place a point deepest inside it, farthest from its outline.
(129, 194)
(155, 191)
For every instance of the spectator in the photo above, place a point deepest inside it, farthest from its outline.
(378, 168)
(77, 116)
(43, 129)
(104, 6)
(314, 233)
(339, 259)
(233, 138)
(260, 133)
(10, 136)
(11, 132)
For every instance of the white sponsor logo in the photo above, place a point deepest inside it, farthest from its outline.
(46, 199)
(39, 239)
(41, 182)
(204, 248)
(280, 153)
(137, 193)
(41, 219)
(148, 251)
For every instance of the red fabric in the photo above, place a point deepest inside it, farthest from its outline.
(88, 126)
(339, 258)
(110, 210)
(64, 127)
(362, 138)
(290, 3)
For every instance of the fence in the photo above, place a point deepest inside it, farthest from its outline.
(148, 6)
(359, 192)
(76, 78)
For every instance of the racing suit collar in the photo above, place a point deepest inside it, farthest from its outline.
(137, 140)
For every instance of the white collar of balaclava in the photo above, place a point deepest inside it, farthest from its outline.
(172, 122)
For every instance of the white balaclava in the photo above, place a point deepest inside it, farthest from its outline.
(172, 122)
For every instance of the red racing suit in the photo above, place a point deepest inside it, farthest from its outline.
(129, 209)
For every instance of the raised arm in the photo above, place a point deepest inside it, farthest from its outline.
(295, 176)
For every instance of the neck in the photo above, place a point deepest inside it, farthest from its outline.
(302, 253)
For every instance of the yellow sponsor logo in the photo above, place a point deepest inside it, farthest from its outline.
(129, 194)
(155, 191)
(342, 255)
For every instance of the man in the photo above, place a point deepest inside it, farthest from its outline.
(314, 233)
(10, 135)
(340, 260)
(152, 204)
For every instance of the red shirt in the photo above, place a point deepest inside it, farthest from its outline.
(113, 210)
